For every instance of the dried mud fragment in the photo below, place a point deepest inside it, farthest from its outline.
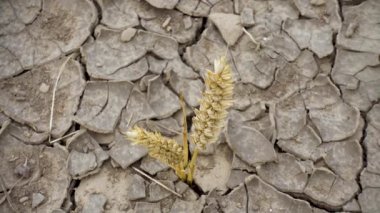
(86, 156)
(249, 144)
(22, 168)
(331, 190)
(27, 97)
(101, 105)
(336, 122)
(33, 33)
(286, 175)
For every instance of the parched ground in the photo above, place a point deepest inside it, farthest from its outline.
(302, 136)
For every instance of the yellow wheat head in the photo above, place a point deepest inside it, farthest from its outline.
(164, 149)
(217, 98)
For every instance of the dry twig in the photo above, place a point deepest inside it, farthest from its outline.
(252, 39)
(156, 181)
(54, 92)
(65, 136)
(7, 194)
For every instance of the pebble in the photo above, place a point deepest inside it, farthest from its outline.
(246, 17)
(37, 199)
(128, 34)
(24, 199)
(44, 88)
(166, 22)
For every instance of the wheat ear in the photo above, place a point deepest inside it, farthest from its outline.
(210, 117)
(216, 99)
(164, 149)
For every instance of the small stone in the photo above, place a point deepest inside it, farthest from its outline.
(246, 17)
(23, 199)
(44, 88)
(169, 29)
(37, 199)
(317, 2)
(128, 34)
(166, 22)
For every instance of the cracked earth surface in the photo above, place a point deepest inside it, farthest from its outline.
(303, 134)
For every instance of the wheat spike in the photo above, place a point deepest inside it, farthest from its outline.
(216, 99)
(164, 149)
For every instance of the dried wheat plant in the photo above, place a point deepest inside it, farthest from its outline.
(208, 122)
